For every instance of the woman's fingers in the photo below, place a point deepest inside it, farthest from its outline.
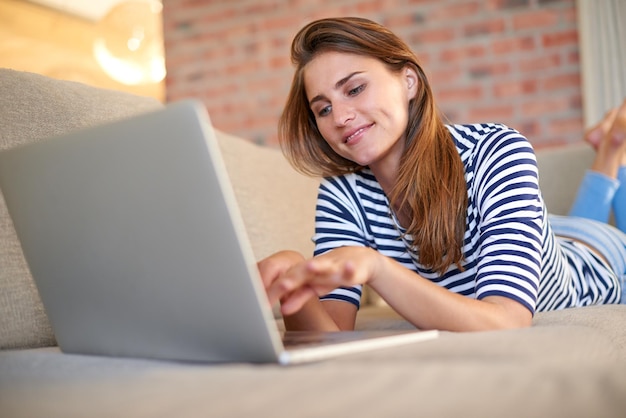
(321, 280)
(295, 300)
(318, 275)
(295, 281)
(272, 267)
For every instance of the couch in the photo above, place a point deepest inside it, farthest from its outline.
(570, 363)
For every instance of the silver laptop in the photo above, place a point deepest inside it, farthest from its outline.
(135, 241)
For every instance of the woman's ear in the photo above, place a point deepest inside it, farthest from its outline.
(412, 82)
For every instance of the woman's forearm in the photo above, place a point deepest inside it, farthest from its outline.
(429, 306)
(316, 315)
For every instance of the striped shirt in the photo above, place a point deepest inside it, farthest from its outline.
(509, 247)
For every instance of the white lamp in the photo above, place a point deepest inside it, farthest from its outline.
(129, 42)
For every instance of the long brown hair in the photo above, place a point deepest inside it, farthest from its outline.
(430, 187)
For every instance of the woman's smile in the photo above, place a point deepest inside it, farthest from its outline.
(354, 136)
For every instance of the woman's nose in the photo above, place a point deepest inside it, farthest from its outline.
(343, 114)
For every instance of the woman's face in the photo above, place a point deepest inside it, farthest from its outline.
(360, 106)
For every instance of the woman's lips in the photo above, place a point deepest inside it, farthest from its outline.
(354, 135)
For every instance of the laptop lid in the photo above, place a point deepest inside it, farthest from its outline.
(135, 241)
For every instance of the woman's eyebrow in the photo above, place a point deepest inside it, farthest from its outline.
(338, 84)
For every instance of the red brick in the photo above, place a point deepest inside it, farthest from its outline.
(570, 16)
(500, 113)
(215, 17)
(274, 23)
(280, 62)
(512, 45)
(573, 57)
(576, 102)
(366, 7)
(455, 10)
(460, 94)
(566, 126)
(445, 76)
(535, 19)
(424, 58)
(489, 69)
(463, 53)
(399, 21)
(543, 106)
(514, 88)
(485, 28)
(237, 69)
(434, 36)
(552, 40)
(423, 2)
(562, 81)
(541, 63)
(506, 4)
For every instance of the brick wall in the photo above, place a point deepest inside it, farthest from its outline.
(509, 61)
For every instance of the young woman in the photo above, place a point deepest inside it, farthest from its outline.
(445, 222)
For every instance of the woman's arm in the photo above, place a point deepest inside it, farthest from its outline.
(428, 305)
(420, 301)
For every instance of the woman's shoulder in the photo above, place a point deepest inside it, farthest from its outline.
(472, 134)
(485, 138)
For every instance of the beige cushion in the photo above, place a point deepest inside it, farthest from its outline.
(34, 107)
(276, 202)
(561, 170)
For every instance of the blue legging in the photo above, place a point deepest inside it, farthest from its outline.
(598, 194)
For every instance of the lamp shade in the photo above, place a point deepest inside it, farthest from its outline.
(129, 42)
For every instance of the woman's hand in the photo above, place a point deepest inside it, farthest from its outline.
(294, 282)
(300, 305)
(272, 267)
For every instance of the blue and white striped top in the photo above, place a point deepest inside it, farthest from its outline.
(509, 246)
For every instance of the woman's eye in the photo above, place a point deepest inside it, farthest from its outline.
(356, 90)
(324, 111)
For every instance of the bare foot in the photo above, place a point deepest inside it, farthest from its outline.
(611, 149)
(617, 133)
(596, 133)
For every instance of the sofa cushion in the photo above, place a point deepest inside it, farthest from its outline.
(264, 181)
(568, 364)
(34, 107)
(561, 169)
